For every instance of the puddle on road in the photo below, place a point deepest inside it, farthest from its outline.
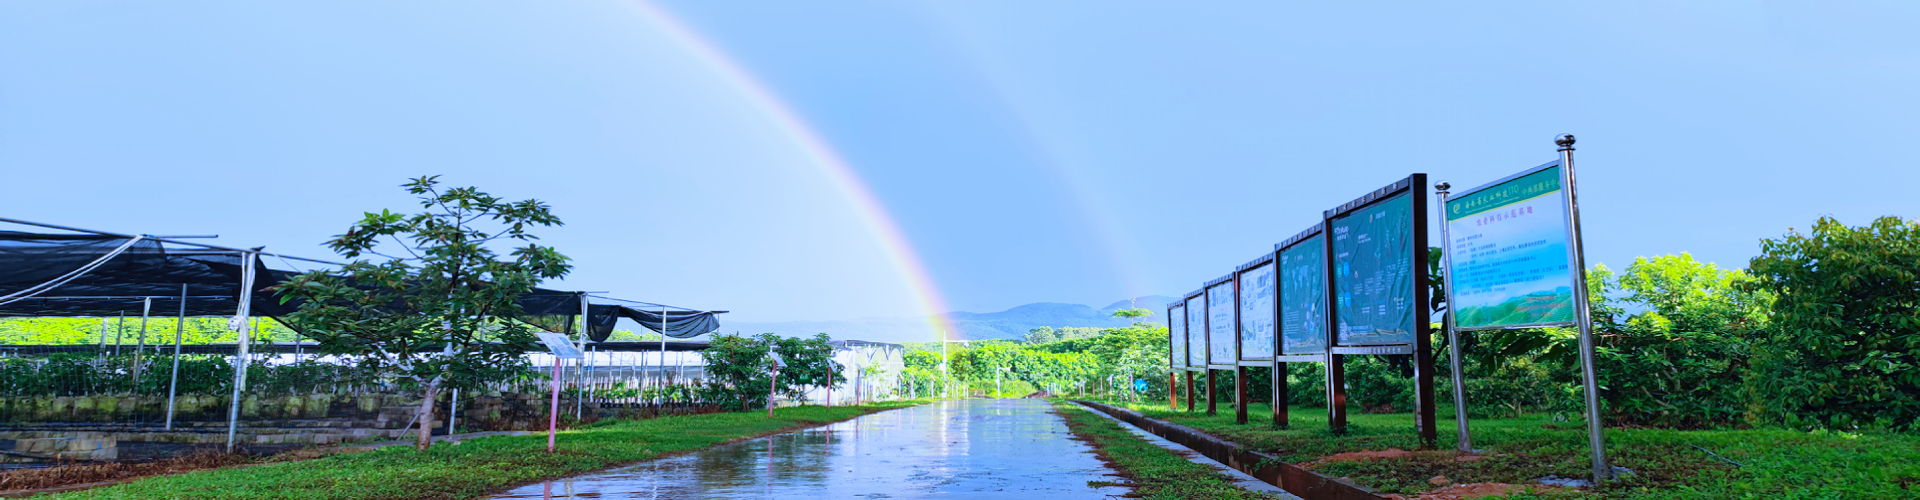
(961, 449)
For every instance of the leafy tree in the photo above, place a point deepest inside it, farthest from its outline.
(1132, 313)
(1844, 347)
(741, 371)
(442, 316)
(1041, 335)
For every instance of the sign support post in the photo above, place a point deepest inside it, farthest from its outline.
(1453, 338)
(1422, 318)
(562, 348)
(1336, 364)
(1595, 436)
(1190, 395)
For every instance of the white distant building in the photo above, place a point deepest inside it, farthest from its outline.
(872, 370)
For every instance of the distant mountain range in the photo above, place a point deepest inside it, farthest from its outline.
(1009, 324)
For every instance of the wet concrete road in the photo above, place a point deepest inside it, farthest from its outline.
(983, 448)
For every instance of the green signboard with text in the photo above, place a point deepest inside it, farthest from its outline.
(1303, 297)
(1508, 253)
(1373, 274)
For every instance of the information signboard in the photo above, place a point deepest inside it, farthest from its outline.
(1196, 330)
(1303, 297)
(560, 346)
(1373, 273)
(1508, 244)
(1220, 336)
(1177, 336)
(1257, 289)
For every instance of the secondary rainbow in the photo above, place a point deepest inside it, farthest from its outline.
(872, 214)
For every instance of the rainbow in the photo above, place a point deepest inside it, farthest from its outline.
(873, 215)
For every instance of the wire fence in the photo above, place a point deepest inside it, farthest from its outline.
(114, 401)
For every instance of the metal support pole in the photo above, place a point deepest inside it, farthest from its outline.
(239, 324)
(179, 330)
(453, 410)
(119, 333)
(553, 409)
(103, 335)
(663, 346)
(146, 315)
(1464, 437)
(1596, 437)
(586, 329)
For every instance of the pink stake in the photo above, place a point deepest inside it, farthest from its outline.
(770, 387)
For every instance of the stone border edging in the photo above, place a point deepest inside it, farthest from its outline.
(1307, 484)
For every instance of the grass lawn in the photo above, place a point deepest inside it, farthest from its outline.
(1774, 463)
(1157, 472)
(480, 466)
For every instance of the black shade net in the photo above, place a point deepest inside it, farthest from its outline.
(211, 280)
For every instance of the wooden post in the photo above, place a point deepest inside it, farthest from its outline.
(1190, 391)
(1173, 394)
(1423, 323)
(1213, 396)
(1240, 395)
(1280, 394)
(1337, 393)
(1336, 364)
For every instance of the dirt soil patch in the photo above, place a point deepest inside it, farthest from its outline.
(1393, 453)
(1476, 490)
(20, 480)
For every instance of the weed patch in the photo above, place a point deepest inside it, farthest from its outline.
(1156, 472)
(1772, 463)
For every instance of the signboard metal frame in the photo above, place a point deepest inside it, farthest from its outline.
(1232, 286)
(1194, 372)
(1188, 300)
(1582, 315)
(1238, 292)
(1178, 363)
(1326, 283)
(1175, 367)
(1415, 188)
(1243, 363)
(1447, 264)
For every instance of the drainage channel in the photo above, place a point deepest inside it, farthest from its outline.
(1297, 481)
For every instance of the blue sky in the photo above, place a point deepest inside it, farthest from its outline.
(1075, 152)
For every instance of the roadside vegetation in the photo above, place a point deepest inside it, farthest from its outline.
(482, 466)
(1156, 472)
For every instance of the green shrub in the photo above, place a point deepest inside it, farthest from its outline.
(1307, 384)
(1377, 386)
(1844, 348)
